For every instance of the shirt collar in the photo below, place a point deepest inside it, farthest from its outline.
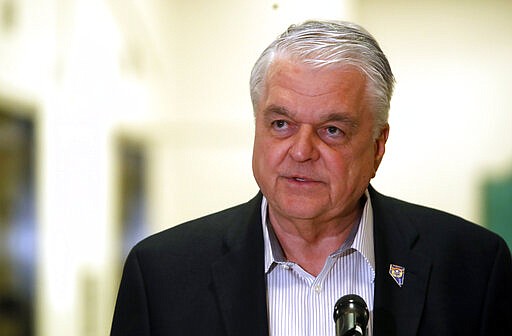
(362, 241)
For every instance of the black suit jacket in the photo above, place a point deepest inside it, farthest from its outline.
(206, 277)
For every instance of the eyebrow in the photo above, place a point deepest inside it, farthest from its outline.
(275, 109)
(329, 117)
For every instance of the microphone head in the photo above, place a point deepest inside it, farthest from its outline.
(351, 315)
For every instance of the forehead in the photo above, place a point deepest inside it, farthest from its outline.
(301, 86)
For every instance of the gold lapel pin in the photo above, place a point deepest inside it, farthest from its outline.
(397, 273)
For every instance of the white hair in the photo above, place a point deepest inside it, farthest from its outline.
(332, 43)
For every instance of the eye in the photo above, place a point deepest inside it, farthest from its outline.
(332, 134)
(333, 131)
(279, 124)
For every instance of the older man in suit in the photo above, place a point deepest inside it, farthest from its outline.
(317, 230)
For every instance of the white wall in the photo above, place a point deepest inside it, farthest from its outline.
(67, 61)
(202, 147)
(451, 116)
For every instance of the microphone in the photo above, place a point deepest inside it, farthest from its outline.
(351, 316)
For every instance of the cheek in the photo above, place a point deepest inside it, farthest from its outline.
(267, 151)
(264, 166)
(364, 165)
(266, 157)
(349, 167)
(262, 160)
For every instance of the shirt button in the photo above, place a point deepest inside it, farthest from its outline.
(318, 288)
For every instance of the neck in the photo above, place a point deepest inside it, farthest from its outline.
(308, 243)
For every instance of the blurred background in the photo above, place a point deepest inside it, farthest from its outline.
(120, 118)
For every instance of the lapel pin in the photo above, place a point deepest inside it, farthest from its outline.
(397, 273)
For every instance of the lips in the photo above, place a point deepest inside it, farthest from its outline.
(301, 185)
(302, 179)
(301, 176)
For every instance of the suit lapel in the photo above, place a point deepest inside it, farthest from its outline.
(397, 310)
(238, 277)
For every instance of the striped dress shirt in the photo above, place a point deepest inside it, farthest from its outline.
(300, 304)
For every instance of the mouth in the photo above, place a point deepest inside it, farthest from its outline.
(301, 184)
(301, 179)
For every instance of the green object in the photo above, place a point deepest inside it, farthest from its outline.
(498, 207)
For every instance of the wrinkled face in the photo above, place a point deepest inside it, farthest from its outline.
(314, 153)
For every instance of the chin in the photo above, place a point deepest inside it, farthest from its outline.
(299, 208)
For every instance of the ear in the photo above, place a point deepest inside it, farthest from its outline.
(380, 146)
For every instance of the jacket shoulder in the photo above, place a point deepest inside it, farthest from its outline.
(207, 232)
(432, 224)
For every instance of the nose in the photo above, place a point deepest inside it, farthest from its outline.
(304, 146)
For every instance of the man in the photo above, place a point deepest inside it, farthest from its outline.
(317, 230)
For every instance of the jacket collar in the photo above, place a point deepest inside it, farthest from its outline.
(238, 276)
(397, 309)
